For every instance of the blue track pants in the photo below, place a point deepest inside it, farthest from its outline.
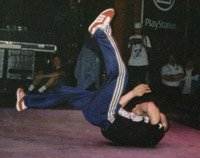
(99, 107)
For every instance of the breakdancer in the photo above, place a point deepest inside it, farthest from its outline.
(105, 107)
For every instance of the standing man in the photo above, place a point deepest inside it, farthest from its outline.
(138, 45)
(171, 75)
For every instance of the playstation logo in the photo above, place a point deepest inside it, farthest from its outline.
(164, 5)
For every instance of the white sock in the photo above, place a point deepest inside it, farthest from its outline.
(42, 89)
(31, 87)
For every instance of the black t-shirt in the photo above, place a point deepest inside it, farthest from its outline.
(52, 69)
(126, 132)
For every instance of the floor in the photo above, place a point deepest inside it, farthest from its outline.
(64, 133)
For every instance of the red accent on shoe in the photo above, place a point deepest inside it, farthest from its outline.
(104, 18)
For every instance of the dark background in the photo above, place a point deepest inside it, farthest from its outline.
(65, 22)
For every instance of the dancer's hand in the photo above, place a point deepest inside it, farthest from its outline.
(141, 89)
(138, 91)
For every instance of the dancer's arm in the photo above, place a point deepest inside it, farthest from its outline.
(138, 91)
(153, 113)
(150, 109)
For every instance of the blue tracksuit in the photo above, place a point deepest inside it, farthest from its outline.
(99, 107)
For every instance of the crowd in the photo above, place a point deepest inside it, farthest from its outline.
(180, 84)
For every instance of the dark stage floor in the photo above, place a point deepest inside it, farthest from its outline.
(42, 133)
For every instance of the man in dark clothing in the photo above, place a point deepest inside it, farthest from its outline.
(51, 80)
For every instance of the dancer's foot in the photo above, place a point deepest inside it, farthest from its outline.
(102, 20)
(20, 100)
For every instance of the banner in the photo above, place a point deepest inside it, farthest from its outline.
(164, 22)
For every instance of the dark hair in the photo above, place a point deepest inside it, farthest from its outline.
(172, 54)
(57, 55)
(126, 132)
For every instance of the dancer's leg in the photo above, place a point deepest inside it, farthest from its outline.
(100, 108)
(75, 96)
(103, 108)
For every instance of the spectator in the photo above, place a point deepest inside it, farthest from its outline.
(190, 84)
(138, 45)
(87, 70)
(50, 81)
(171, 75)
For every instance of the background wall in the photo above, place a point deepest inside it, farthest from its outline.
(65, 22)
